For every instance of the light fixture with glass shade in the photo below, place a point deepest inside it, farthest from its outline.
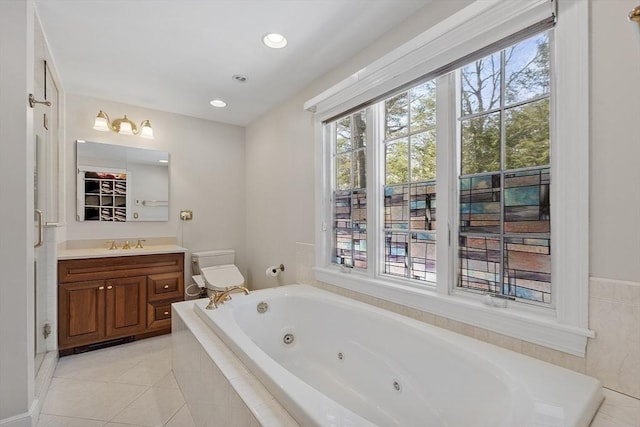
(123, 126)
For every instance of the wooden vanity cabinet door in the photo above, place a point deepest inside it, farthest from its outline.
(81, 316)
(126, 302)
(159, 315)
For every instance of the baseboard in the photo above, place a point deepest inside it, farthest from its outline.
(21, 420)
(42, 383)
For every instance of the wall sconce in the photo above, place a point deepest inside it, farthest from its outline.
(123, 126)
(634, 16)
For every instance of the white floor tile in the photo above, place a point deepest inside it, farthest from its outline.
(617, 410)
(121, 425)
(89, 399)
(168, 381)
(154, 408)
(111, 387)
(96, 368)
(182, 418)
(46, 420)
(146, 372)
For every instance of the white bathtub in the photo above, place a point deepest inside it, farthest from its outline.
(351, 364)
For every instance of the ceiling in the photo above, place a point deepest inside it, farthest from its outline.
(177, 55)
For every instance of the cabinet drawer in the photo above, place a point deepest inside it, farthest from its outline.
(159, 314)
(76, 270)
(165, 286)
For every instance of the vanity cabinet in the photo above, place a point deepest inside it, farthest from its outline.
(103, 299)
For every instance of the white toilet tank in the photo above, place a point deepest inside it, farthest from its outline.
(204, 259)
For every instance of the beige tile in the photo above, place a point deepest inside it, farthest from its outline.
(461, 328)
(441, 322)
(620, 408)
(613, 356)
(148, 371)
(182, 418)
(556, 357)
(273, 414)
(122, 425)
(604, 420)
(98, 367)
(615, 290)
(46, 420)
(89, 399)
(154, 408)
(413, 313)
(212, 400)
(168, 381)
(237, 412)
(500, 340)
(251, 391)
(305, 260)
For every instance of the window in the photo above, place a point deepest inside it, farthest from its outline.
(350, 193)
(511, 173)
(410, 183)
(504, 180)
(504, 236)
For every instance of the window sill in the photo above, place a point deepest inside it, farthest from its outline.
(532, 324)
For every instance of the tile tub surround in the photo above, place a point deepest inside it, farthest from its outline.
(130, 384)
(613, 356)
(217, 387)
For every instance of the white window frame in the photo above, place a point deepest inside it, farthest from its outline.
(478, 25)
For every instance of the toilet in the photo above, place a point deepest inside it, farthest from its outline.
(215, 270)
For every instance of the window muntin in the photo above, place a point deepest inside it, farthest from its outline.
(504, 242)
(349, 198)
(409, 228)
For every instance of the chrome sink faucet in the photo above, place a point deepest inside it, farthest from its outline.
(219, 297)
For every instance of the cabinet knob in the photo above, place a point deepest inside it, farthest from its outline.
(101, 288)
(166, 286)
(109, 287)
(166, 313)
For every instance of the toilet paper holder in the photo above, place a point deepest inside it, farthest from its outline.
(275, 270)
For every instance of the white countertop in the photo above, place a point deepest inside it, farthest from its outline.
(105, 252)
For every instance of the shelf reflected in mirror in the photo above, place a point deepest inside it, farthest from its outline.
(117, 183)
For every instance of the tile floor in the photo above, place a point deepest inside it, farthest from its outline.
(132, 385)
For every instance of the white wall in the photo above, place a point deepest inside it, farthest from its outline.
(280, 159)
(615, 144)
(206, 175)
(16, 215)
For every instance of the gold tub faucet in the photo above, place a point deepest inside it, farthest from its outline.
(219, 297)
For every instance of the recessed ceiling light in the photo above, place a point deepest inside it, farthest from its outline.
(218, 103)
(274, 40)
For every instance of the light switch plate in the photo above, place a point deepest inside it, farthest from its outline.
(186, 215)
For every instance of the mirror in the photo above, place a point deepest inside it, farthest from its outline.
(116, 183)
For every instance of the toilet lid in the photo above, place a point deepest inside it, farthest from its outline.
(220, 277)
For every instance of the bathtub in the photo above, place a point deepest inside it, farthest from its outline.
(332, 361)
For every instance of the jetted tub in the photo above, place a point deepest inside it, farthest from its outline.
(333, 361)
